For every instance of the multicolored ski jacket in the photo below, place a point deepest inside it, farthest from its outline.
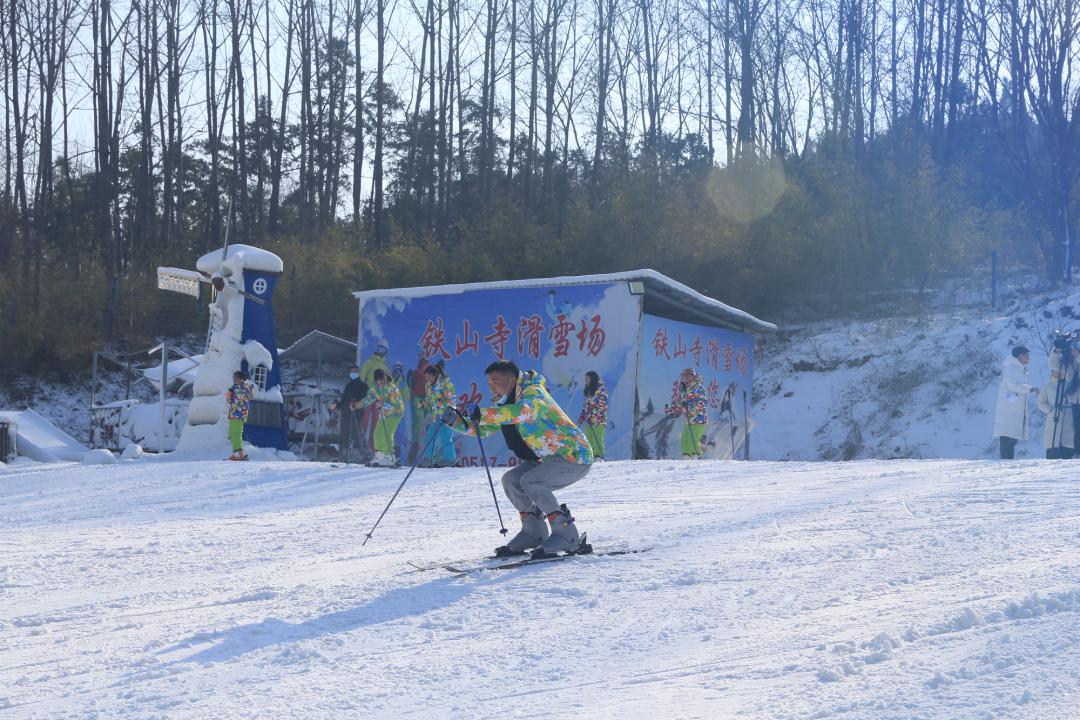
(441, 395)
(388, 398)
(691, 401)
(595, 411)
(543, 425)
(239, 398)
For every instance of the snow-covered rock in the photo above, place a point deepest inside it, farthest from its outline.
(133, 451)
(100, 456)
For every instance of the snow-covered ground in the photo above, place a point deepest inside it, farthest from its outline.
(874, 589)
(920, 382)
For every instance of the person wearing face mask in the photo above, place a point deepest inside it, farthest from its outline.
(552, 450)
(351, 411)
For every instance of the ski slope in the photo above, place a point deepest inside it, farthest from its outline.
(902, 589)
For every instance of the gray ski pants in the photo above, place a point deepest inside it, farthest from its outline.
(532, 483)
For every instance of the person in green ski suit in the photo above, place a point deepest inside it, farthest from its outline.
(386, 398)
(368, 419)
(239, 397)
(690, 401)
(594, 414)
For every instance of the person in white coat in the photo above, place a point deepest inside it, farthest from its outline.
(1058, 435)
(1011, 418)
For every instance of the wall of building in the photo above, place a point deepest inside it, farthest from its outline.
(724, 359)
(561, 331)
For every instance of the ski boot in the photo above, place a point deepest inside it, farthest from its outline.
(564, 537)
(381, 459)
(238, 455)
(533, 533)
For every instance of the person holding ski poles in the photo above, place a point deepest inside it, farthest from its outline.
(386, 398)
(350, 411)
(239, 396)
(593, 419)
(690, 401)
(439, 439)
(553, 451)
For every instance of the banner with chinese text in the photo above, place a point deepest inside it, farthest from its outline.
(562, 332)
(723, 359)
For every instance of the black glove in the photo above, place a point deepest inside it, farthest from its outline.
(450, 416)
(474, 413)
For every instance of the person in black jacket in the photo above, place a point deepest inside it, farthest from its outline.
(351, 411)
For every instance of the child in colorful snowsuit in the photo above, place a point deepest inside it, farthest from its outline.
(239, 397)
(386, 398)
(439, 439)
(594, 414)
(553, 453)
(690, 401)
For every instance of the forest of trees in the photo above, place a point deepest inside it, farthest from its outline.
(763, 151)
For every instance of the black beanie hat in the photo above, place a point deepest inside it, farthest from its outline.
(1019, 350)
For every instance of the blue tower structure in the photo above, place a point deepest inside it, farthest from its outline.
(266, 426)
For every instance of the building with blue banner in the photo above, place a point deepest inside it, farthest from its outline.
(638, 331)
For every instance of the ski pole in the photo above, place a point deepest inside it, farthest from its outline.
(731, 414)
(746, 433)
(349, 445)
(491, 483)
(407, 475)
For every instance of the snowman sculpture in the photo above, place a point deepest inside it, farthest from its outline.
(241, 337)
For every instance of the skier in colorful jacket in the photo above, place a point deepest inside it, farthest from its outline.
(239, 396)
(368, 419)
(593, 419)
(691, 401)
(386, 398)
(439, 439)
(552, 450)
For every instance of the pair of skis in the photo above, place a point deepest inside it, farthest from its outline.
(465, 567)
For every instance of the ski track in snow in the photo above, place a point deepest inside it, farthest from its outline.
(873, 589)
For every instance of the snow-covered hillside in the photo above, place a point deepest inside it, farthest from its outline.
(902, 589)
(920, 383)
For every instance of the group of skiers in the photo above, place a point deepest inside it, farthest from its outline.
(375, 400)
(373, 404)
(1058, 398)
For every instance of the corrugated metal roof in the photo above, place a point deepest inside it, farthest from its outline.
(306, 349)
(663, 296)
